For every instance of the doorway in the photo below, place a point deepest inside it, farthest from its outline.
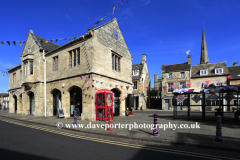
(116, 102)
(15, 104)
(57, 101)
(166, 104)
(31, 99)
(76, 101)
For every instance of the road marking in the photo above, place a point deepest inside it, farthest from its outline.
(200, 155)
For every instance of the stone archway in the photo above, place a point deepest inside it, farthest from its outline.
(57, 100)
(75, 100)
(116, 101)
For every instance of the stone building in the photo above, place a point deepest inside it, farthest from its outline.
(98, 60)
(174, 74)
(141, 80)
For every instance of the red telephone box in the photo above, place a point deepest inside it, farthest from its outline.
(104, 103)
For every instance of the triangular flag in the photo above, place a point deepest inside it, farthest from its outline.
(64, 38)
(83, 37)
(116, 86)
(46, 41)
(89, 83)
(92, 85)
(140, 88)
(8, 42)
(121, 86)
(207, 81)
(189, 84)
(180, 86)
(147, 88)
(93, 80)
(56, 40)
(24, 42)
(51, 40)
(113, 9)
(95, 88)
(110, 85)
(218, 80)
(229, 77)
(198, 83)
(97, 81)
(106, 84)
(101, 82)
(155, 88)
(69, 38)
(127, 87)
(60, 39)
(85, 80)
(20, 42)
(14, 42)
(164, 87)
(2, 43)
(172, 86)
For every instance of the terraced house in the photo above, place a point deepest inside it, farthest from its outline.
(71, 72)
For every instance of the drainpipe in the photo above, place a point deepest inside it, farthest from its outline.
(45, 85)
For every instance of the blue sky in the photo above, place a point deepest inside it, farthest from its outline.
(162, 29)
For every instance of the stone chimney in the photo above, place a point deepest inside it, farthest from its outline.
(144, 58)
(235, 63)
(189, 59)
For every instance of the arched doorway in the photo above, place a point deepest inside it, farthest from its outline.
(75, 100)
(31, 102)
(15, 103)
(57, 101)
(116, 102)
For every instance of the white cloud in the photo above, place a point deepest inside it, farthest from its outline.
(146, 2)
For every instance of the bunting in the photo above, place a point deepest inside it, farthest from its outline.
(127, 87)
(173, 86)
(218, 80)
(121, 86)
(189, 84)
(148, 88)
(207, 81)
(229, 77)
(198, 83)
(140, 88)
(164, 87)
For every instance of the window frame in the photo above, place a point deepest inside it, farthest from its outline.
(170, 77)
(203, 72)
(218, 69)
(181, 75)
(184, 86)
(116, 62)
(55, 63)
(31, 67)
(169, 86)
(135, 86)
(14, 77)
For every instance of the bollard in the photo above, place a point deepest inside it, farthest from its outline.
(75, 117)
(219, 129)
(109, 121)
(155, 130)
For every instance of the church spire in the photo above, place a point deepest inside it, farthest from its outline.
(204, 53)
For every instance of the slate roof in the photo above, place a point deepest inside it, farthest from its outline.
(46, 46)
(234, 71)
(3, 95)
(137, 67)
(211, 69)
(176, 67)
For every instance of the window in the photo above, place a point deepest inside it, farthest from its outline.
(74, 57)
(14, 77)
(219, 84)
(170, 75)
(78, 56)
(116, 62)
(70, 59)
(135, 72)
(55, 63)
(20, 75)
(218, 70)
(183, 84)
(25, 69)
(204, 72)
(31, 67)
(182, 75)
(135, 85)
(170, 89)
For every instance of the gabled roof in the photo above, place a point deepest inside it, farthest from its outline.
(18, 66)
(137, 67)
(46, 46)
(211, 69)
(176, 67)
(234, 71)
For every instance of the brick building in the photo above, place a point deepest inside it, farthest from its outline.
(101, 55)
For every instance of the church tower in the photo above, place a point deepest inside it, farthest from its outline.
(204, 53)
